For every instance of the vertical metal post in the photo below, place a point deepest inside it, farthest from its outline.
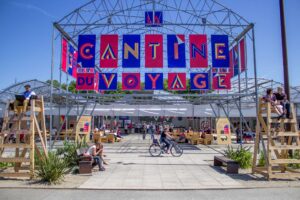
(284, 51)
(255, 74)
(67, 113)
(246, 68)
(240, 102)
(51, 90)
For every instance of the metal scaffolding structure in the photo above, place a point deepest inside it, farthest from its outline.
(180, 17)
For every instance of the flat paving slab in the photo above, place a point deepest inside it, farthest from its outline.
(132, 167)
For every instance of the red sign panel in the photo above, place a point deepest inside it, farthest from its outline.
(64, 50)
(131, 81)
(109, 51)
(176, 81)
(153, 51)
(198, 51)
(221, 81)
(85, 81)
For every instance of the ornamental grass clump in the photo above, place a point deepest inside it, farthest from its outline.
(52, 169)
(68, 152)
(242, 155)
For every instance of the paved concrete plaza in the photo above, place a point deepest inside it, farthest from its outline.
(236, 194)
(131, 166)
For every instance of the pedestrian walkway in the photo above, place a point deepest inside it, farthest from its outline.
(131, 167)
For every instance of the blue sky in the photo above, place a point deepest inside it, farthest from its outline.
(26, 28)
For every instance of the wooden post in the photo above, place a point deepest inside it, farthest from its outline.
(32, 138)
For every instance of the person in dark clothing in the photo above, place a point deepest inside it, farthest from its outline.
(164, 138)
(282, 99)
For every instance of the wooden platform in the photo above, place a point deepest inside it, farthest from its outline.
(277, 138)
(21, 127)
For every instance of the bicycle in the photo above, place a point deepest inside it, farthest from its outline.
(156, 149)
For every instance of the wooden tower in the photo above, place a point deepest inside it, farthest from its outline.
(22, 127)
(278, 138)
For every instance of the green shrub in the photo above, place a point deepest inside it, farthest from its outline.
(296, 155)
(68, 151)
(262, 159)
(4, 165)
(51, 169)
(242, 155)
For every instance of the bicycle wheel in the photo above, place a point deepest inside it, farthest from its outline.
(176, 150)
(155, 150)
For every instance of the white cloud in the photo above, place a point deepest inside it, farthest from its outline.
(34, 8)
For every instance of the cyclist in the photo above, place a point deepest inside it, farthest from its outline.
(164, 138)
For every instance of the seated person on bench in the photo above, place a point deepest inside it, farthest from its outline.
(282, 99)
(27, 94)
(270, 97)
(95, 151)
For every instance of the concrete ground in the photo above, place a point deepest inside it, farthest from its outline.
(236, 194)
(131, 167)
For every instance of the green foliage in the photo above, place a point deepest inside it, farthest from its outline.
(242, 155)
(262, 159)
(4, 165)
(296, 155)
(71, 86)
(51, 169)
(68, 151)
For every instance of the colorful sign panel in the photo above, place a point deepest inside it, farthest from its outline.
(176, 51)
(177, 81)
(221, 81)
(72, 61)
(153, 19)
(86, 51)
(131, 51)
(154, 81)
(83, 129)
(108, 81)
(235, 56)
(220, 51)
(85, 79)
(131, 81)
(153, 51)
(108, 51)
(199, 81)
(223, 131)
(198, 51)
(242, 45)
(64, 50)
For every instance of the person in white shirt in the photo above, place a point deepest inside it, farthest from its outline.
(96, 151)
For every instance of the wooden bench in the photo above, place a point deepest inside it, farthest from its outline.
(232, 167)
(85, 162)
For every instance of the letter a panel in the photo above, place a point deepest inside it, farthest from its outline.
(108, 51)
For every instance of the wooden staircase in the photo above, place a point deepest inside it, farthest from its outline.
(21, 128)
(278, 138)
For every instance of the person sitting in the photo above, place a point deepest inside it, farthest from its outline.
(282, 99)
(164, 138)
(96, 151)
(182, 138)
(270, 97)
(28, 93)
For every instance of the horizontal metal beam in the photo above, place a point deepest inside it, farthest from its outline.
(165, 24)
